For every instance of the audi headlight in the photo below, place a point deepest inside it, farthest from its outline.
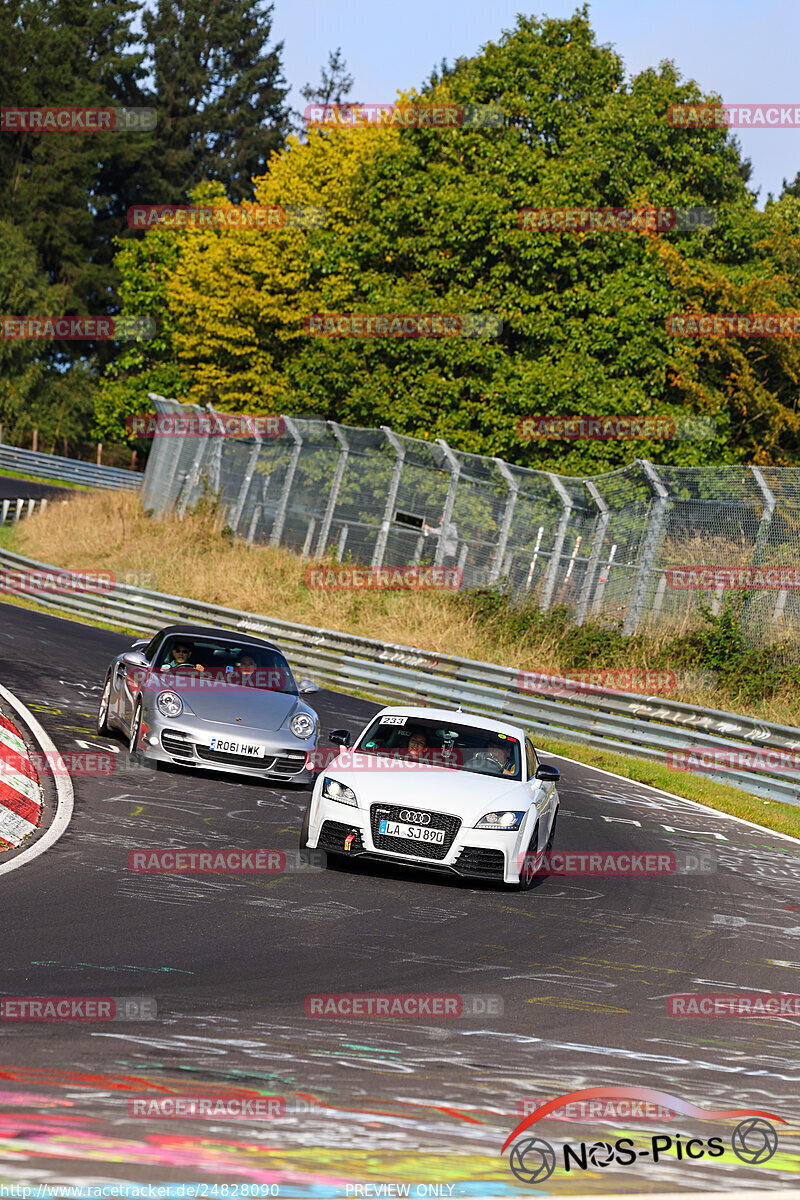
(333, 790)
(501, 820)
(169, 704)
(302, 725)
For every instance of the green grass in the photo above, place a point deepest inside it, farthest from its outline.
(784, 818)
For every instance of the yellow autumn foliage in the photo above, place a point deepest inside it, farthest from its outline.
(239, 296)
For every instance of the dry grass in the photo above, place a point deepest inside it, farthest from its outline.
(108, 530)
(191, 558)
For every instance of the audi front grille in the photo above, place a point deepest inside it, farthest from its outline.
(400, 845)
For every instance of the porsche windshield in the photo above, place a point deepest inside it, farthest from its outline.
(443, 744)
(192, 662)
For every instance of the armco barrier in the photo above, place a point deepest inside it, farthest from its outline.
(642, 726)
(70, 470)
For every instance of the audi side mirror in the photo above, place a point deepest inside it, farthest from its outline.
(547, 773)
(339, 737)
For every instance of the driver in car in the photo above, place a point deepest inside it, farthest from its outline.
(501, 752)
(498, 757)
(181, 656)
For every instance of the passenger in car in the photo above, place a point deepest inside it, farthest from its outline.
(417, 744)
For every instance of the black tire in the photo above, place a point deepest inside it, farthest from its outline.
(552, 837)
(528, 874)
(136, 726)
(103, 726)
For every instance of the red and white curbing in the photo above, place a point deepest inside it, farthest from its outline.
(20, 790)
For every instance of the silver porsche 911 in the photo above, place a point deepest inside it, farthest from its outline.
(211, 699)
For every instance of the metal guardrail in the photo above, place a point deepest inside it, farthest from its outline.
(70, 470)
(12, 510)
(642, 726)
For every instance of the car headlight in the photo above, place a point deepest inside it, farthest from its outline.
(169, 704)
(302, 725)
(501, 820)
(333, 790)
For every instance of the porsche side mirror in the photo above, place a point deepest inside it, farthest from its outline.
(547, 773)
(135, 658)
(306, 686)
(339, 737)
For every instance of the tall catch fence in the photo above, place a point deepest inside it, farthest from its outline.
(641, 545)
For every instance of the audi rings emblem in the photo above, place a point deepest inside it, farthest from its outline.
(418, 818)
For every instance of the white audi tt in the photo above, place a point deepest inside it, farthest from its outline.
(437, 788)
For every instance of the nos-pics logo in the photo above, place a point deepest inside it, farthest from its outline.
(533, 1160)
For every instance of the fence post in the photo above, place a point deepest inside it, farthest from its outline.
(193, 477)
(383, 532)
(770, 501)
(333, 496)
(450, 500)
(505, 528)
(283, 504)
(595, 552)
(238, 508)
(162, 461)
(652, 539)
(558, 544)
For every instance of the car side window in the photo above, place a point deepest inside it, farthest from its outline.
(149, 650)
(533, 761)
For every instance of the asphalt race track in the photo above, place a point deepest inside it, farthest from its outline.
(582, 965)
(12, 488)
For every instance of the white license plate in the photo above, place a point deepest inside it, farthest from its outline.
(226, 746)
(415, 833)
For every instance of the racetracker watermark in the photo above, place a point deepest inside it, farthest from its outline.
(250, 216)
(77, 120)
(597, 1110)
(77, 1008)
(85, 582)
(619, 862)
(350, 760)
(77, 329)
(216, 680)
(205, 1108)
(222, 425)
(772, 762)
(403, 325)
(615, 429)
(761, 578)
(73, 762)
(616, 220)
(383, 578)
(402, 1005)
(638, 680)
(224, 862)
(730, 325)
(731, 1004)
(405, 116)
(734, 116)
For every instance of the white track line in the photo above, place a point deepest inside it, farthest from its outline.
(685, 799)
(65, 793)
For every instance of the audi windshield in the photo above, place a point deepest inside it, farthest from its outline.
(450, 745)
